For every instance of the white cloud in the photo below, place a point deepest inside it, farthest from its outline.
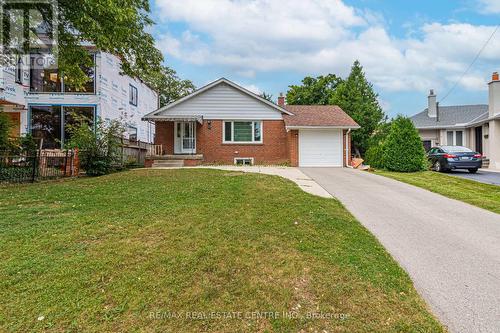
(250, 73)
(489, 6)
(474, 82)
(325, 36)
(252, 87)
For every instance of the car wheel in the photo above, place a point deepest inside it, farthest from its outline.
(473, 170)
(437, 166)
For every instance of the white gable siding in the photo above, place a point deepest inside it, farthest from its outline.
(224, 102)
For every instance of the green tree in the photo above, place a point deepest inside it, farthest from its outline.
(99, 148)
(374, 155)
(402, 149)
(313, 91)
(356, 97)
(117, 27)
(169, 86)
(267, 96)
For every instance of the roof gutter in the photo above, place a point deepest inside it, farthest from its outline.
(466, 125)
(347, 149)
(197, 118)
(321, 127)
(442, 127)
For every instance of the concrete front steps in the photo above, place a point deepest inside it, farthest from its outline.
(486, 163)
(168, 163)
(174, 161)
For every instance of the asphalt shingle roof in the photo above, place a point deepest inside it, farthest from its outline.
(451, 116)
(317, 115)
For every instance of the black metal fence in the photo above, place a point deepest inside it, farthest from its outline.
(37, 165)
(44, 164)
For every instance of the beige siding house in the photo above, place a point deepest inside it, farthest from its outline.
(474, 126)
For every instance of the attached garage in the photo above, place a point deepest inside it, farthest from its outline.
(320, 148)
(321, 135)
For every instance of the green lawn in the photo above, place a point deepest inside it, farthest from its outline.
(478, 194)
(148, 250)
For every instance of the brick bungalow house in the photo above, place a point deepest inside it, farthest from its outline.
(223, 122)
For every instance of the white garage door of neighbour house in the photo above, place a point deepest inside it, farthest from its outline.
(320, 148)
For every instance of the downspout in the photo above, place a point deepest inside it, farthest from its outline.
(347, 149)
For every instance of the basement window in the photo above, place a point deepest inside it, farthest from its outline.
(243, 161)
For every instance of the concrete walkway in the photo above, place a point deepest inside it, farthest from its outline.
(450, 249)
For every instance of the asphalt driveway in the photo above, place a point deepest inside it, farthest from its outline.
(488, 177)
(450, 249)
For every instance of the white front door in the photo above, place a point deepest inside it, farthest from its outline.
(320, 147)
(184, 138)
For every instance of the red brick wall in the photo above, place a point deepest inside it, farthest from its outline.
(278, 147)
(165, 136)
(293, 147)
(349, 161)
(272, 150)
(350, 149)
(192, 162)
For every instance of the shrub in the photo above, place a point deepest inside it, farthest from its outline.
(99, 148)
(27, 143)
(5, 126)
(402, 149)
(374, 155)
(23, 144)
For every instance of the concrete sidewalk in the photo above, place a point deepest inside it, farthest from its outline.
(450, 249)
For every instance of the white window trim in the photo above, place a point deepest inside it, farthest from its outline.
(454, 143)
(232, 142)
(244, 158)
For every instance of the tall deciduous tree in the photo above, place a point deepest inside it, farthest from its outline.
(117, 27)
(313, 91)
(357, 98)
(169, 86)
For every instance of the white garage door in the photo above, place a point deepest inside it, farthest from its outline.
(320, 147)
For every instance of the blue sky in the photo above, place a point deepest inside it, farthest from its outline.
(406, 47)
